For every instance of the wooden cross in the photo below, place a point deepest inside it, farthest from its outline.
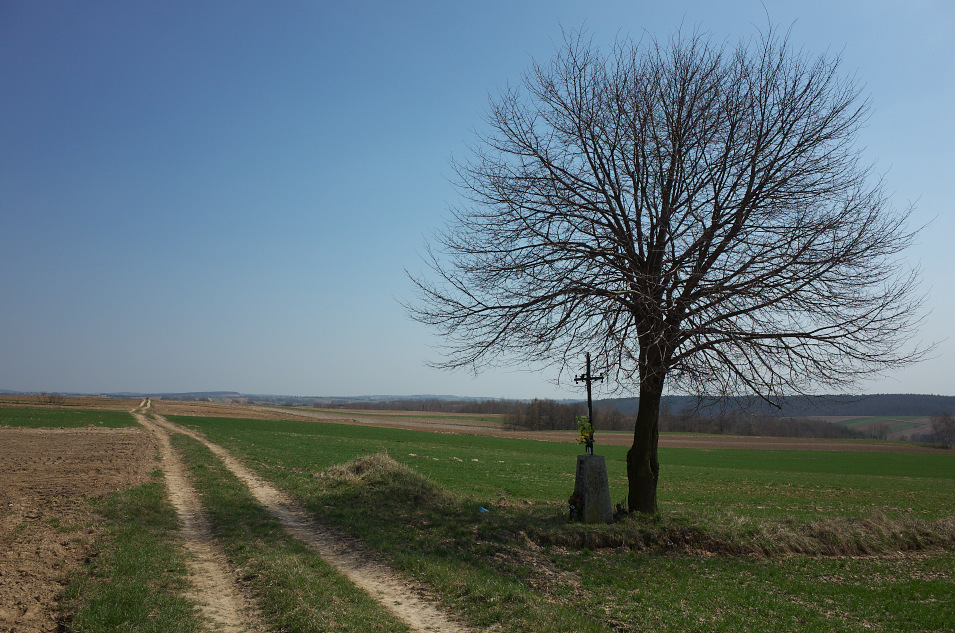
(589, 378)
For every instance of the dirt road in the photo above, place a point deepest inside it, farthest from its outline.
(214, 587)
(407, 601)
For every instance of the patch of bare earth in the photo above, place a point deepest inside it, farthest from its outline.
(222, 410)
(214, 585)
(46, 526)
(408, 601)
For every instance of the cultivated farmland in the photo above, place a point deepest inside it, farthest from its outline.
(47, 526)
(748, 539)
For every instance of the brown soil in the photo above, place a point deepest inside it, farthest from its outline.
(46, 527)
(221, 410)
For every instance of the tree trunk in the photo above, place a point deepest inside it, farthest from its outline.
(643, 467)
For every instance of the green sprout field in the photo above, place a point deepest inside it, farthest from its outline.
(35, 417)
(746, 540)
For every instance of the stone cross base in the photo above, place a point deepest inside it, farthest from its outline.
(592, 486)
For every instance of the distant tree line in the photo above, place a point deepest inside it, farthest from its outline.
(803, 406)
(545, 415)
(548, 415)
(537, 414)
(740, 423)
(52, 398)
(541, 414)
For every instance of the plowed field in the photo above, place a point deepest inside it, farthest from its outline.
(46, 525)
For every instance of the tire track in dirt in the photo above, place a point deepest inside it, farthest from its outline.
(408, 602)
(214, 587)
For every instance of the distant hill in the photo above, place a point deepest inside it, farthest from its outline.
(188, 395)
(804, 407)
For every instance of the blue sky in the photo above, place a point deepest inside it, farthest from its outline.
(225, 195)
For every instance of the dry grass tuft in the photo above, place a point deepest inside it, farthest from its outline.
(379, 474)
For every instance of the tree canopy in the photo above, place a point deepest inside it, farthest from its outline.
(697, 216)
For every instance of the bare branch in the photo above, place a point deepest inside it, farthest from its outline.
(696, 215)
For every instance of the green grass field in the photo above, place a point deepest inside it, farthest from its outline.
(746, 540)
(757, 484)
(894, 424)
(40, 417)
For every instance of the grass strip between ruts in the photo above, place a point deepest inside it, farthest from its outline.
(136, 579)
(295, 588)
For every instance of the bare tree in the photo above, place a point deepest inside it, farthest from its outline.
(695, 213)
(52, 398)
(943, 429)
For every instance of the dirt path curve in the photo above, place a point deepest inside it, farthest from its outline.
(407, 601)
(214, 586)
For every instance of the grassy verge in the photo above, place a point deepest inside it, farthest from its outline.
(435, 535)
(747, 541)
(37, 417)
(297, 591)
(500, 564)
(136, 579)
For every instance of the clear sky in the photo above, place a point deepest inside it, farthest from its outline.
(224, 195)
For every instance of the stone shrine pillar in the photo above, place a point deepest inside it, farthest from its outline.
(593, 488)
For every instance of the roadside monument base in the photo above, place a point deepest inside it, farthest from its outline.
(593, 489)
